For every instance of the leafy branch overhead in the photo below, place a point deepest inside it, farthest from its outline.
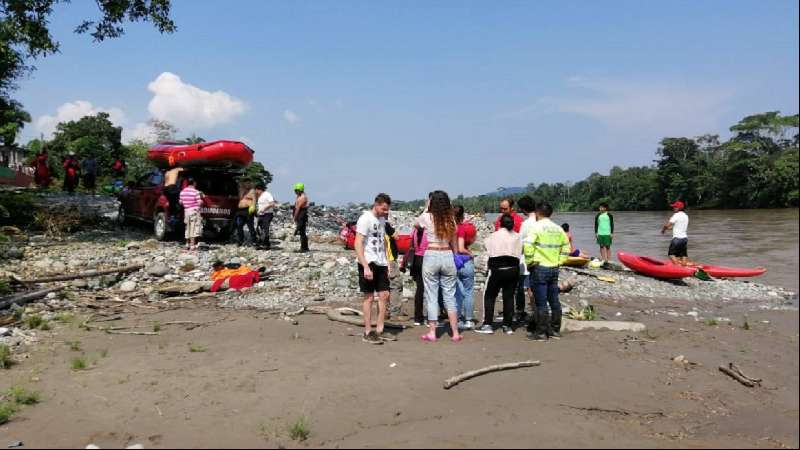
(25, 34)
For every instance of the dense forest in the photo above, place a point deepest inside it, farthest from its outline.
(756, 168)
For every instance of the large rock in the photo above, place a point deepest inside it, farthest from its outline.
(159, 270)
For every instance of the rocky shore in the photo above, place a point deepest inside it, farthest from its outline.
(327, 275)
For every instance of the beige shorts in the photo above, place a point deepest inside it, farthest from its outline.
(194, 224)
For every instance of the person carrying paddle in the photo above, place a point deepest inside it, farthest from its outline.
(679, 224)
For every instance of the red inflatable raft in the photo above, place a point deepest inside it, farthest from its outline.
(348, 237)
(653, 267)
(667, 269)
(207, 154)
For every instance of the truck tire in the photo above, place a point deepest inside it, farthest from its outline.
(160, 226)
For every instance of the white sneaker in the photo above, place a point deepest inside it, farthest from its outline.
(469, 325)
(486, 329)
(507, 330)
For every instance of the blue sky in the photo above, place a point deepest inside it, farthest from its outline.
(357, 97)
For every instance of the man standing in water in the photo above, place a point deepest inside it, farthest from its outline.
(679, 224)
(300, 215)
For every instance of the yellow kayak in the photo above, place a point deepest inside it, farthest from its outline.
(575, 261)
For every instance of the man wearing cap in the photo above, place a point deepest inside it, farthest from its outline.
(679, 224)
(300, 215)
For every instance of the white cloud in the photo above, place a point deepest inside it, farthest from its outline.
(140, 131)
(188, 106)
(662, 108)
(291, 117)
(46, 124)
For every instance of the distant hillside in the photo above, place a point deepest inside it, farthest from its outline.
(504, 191)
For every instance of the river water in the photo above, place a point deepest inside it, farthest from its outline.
(742, 238)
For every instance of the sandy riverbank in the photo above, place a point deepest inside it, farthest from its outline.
(257, 375)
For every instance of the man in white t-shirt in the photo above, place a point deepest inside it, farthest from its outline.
(265, 207)
(373, 266)
(679, 224)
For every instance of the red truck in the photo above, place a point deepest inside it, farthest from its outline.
(146, 200)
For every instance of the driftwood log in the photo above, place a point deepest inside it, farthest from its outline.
(352, 316)
(734, 372)
(89, 274)
(450, 382)
(23, 299)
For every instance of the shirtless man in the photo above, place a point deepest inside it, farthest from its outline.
(300, 215)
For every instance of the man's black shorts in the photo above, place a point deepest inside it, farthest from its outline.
(679, 248)
(379, 281)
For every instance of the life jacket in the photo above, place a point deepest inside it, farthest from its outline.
(117, 165)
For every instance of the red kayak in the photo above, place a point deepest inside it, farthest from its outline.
(667, 269)
(731, 272)
(653, 267)
(231, 154)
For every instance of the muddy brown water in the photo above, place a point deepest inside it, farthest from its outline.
(740, 238)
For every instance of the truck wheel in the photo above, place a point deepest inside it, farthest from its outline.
(122, 217)
(160, 228)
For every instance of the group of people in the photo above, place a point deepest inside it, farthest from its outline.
(255, 210)
(524, 255)
(75, 171)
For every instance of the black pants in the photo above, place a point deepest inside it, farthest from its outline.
(242, 218)
(520, 298)
(173, 193)
(70, 183)
(419, 294)
(302, 224)
(505, 279)
(264, 223)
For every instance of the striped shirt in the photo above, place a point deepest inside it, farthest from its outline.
(190, 199)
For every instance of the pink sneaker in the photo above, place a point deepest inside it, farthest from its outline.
(428, 338)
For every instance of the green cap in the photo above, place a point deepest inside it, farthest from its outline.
(299, 187)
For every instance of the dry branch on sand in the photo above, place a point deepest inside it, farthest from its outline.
(450, 382)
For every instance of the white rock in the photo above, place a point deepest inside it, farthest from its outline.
(5, 331)
(51, 296)
(693, 313)
(127, 286)
(328, 266)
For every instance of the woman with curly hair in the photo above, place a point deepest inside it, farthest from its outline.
(438, 266)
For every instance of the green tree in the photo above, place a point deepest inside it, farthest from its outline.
(255, 173)
(89, 137)
(194, 139)
(163, 131)
(12, 119)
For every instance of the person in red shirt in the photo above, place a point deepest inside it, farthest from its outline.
(42, 171)
(465, 276)
(507, 207)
